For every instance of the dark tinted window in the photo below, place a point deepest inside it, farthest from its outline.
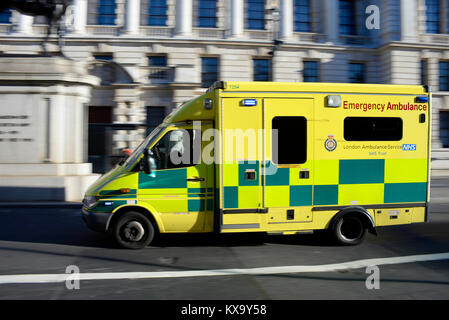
(302, 15)
(372, 129)
(347, 14)
(106, 12)
(356, 73)
(432, 16)
(291, 146)
(207, 13)
(157, 13)
(255, 14)
(262, 70)
(209, 71)
(311, 71)
(444, 75)
(5, 16)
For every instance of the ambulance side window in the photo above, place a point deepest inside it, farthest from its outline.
(174, 149)
(290, 147)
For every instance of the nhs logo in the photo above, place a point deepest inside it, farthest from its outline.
(409, 147)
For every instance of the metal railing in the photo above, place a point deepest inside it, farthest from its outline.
(157, 75)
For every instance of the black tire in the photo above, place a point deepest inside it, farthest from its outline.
(349, 230)
(133, 230)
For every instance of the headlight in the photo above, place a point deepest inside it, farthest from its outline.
(90, 201)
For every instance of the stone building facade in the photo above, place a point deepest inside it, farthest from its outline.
(152, 55)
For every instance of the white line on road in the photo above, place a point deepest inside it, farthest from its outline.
(357, 264)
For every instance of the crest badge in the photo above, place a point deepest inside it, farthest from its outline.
(330, 144)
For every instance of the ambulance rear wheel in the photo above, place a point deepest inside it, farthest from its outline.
(133, 230)
(349, 230)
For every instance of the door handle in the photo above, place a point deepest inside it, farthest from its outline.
(195, 179)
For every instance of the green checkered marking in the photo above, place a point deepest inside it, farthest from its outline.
(325, 195)
(361, 171)
(349, 173)
(280, 178)
(300, 196)
(405, 192)
(164, 179)
(231, 197)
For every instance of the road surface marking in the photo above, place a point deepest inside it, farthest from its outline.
(357, 264)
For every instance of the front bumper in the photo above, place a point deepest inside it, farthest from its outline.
(96, 221)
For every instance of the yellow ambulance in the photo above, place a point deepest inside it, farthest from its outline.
(274, 157)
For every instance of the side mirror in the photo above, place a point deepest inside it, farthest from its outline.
(145, 164)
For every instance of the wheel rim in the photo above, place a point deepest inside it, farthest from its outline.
(351, 229)
(133, 231)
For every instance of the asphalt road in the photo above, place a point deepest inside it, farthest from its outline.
(46, 240)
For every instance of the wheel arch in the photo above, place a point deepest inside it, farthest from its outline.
(366, 218)
(146, 212)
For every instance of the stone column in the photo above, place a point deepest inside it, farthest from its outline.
(286, 22)
(183, 17)
(25, 24)
(132, 17)
(237, 18)
(80, 16)
(409, 27)
(331, 19)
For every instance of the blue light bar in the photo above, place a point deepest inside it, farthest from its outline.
(422, 99)
(249, 102)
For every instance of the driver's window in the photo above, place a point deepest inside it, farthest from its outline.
(174, 149)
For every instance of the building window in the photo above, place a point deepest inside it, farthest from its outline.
(255, 12)
(423, 72)
(310, 71)
(157, 61)
(444, 128)
(158, 70)
(157, 13)
(291, 146)
(155, 116)
(261, 70)
(433, 16)
(302, 15)
(444, 75)
(106, 12)
(209, 71)
(207, 13)
(105, 57)
(372, 129)
(357, 73)
(347, 16)
(5, 16)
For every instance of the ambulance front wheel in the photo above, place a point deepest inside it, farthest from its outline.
(133, 230)
(349, 230)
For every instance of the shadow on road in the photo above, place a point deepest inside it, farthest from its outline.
(65, 227)
(239, 239)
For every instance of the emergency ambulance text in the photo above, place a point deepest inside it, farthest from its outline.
(382, 106)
